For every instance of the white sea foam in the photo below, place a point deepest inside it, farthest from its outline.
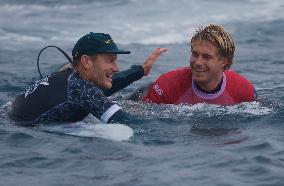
(252, 108)
(187, 112)
(4, 108)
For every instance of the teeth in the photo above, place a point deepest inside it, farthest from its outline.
(199, 70)
(109, 75)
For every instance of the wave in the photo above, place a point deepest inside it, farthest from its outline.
(159, 22)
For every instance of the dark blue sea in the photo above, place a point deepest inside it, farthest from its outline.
(169, 145)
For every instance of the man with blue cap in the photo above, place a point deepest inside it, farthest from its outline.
(71, 94)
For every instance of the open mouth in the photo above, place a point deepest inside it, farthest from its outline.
(199, 70)
(109, 76)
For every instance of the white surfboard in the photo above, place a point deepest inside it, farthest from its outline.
(116, 132)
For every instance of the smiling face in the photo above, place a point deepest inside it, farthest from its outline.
(207, 65)
(101, 69)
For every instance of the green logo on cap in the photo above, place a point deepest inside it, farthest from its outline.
(109, 41)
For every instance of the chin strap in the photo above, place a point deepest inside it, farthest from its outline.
(64, 53)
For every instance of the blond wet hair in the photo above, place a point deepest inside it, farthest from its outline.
(219, 37)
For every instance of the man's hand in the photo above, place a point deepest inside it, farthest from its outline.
(152, 58)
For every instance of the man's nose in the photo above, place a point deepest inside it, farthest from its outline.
(198, 60)
(115, 68)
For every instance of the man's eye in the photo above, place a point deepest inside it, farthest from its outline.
(207, 56)
(194, 54)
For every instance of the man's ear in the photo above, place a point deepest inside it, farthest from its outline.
(85, 62)
(225, 63)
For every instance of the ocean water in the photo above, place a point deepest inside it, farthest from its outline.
(169, 144)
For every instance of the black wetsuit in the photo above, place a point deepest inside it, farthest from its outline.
(65, 97)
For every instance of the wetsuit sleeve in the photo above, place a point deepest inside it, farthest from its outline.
(107, 111)
(99, 105)
(158, 93)
(123, 79)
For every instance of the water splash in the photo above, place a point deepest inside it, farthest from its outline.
(202, 109)
(4, 110)
(201, 116)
